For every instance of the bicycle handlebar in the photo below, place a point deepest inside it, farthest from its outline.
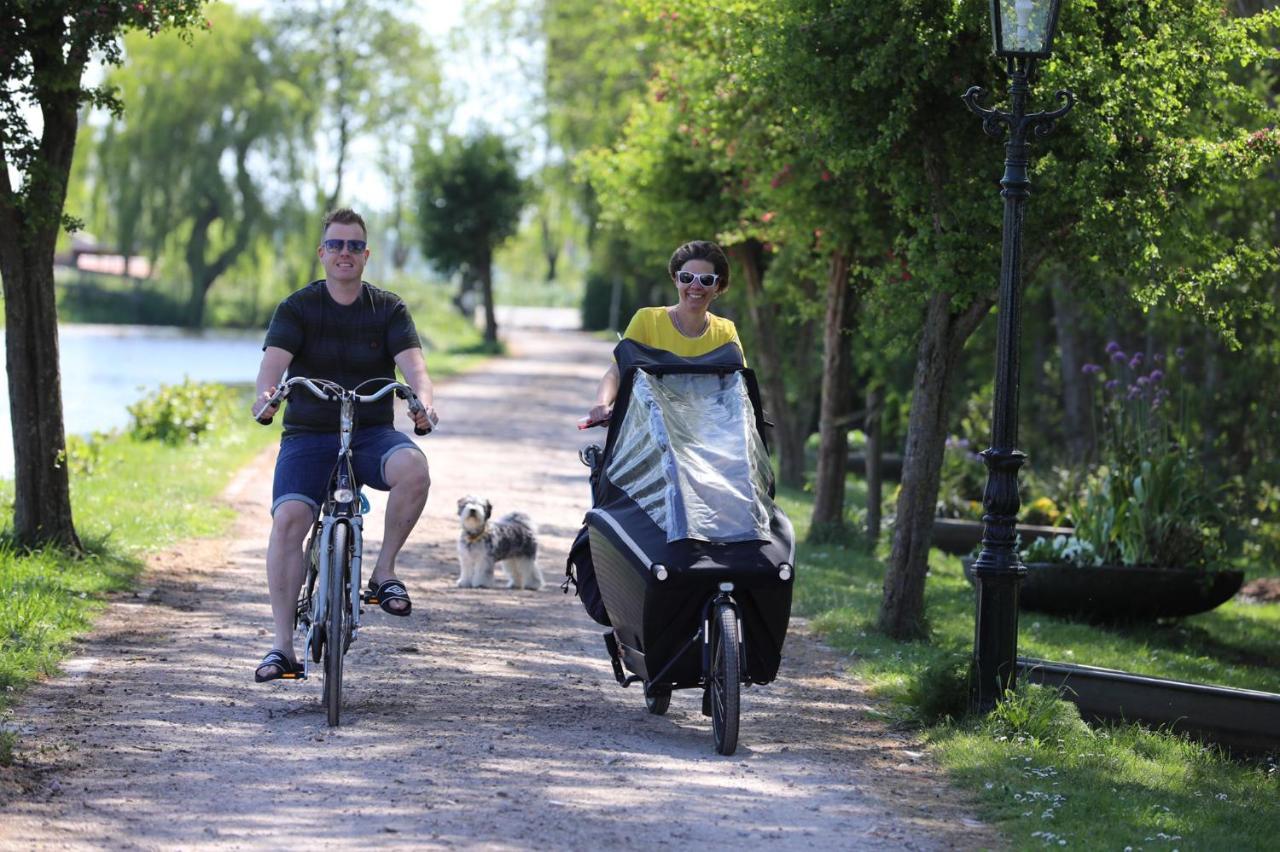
(328, 391)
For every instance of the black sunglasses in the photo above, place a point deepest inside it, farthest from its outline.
(706, 279)
(353, 246)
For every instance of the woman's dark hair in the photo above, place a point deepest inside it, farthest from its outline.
(701, 250)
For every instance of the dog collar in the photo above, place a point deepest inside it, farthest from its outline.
(474, 538)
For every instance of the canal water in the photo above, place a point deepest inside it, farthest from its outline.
(106, 368)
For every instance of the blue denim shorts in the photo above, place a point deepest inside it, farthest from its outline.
(306, 460)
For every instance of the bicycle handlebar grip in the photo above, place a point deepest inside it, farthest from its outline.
(265, 421)
(415, 405)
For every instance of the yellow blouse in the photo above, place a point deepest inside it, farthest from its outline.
(653, 327)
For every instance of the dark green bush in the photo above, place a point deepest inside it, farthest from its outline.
(940, 691)
(177, 414)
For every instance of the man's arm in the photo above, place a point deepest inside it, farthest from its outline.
(414, 368)
(274, 362)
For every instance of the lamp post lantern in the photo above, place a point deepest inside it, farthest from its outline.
(1023, 33)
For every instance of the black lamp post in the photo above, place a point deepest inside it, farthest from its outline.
(1023, 33)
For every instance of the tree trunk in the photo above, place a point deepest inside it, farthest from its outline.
(486, 287)
(1077, 401)
(833, 446)
(944, 334)
(768, 363)
(550, 248)
(875, 454)
(42, 493)
(203, 272)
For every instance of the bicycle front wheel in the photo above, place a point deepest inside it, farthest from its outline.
(337, 622)
(725, 681)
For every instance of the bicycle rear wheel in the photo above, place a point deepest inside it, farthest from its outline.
(725, 680)
(337, 622)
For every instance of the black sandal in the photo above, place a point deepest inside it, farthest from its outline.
(386, 592)
(287, 670)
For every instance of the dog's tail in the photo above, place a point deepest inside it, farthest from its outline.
(519, 519)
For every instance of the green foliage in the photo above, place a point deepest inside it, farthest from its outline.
(7, 741)
(469, 200)
(181, 168)
(939, 692)
(1159, 512)
(1039, 714)
(182, 413)
(44, 50)
(1152, 502)
(84, 455)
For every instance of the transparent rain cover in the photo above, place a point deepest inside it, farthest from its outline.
(688, 452)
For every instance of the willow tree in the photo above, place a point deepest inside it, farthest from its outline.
(45, 47)
(211, 143)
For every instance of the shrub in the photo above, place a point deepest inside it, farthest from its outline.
(1037, 713)
(940, 691)
(177, 414)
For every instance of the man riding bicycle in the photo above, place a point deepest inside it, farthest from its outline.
(346, 330)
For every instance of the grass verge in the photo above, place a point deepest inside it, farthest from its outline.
(1035, 769)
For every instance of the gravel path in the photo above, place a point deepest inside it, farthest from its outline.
(489, 719)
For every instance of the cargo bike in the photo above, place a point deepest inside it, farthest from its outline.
(684, 554)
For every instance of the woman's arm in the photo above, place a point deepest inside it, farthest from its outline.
(606, 393)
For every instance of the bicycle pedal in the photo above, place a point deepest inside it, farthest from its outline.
(368, 597)
(302, 675)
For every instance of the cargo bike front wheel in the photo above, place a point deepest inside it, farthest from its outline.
(724, 676)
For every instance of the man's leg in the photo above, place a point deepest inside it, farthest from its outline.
(409, 479)
(289, 527)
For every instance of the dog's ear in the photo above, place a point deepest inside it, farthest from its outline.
(462, 501)
(488, 509)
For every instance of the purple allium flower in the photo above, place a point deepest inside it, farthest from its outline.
(963, 443)
(1143, 381)
(1119, 357)
(1158, 358)
(1113, 348)
(1134, 392)
(1156, 375)
(1112, 384)
(1179, 352)
(1090, 369)
(1136, 361)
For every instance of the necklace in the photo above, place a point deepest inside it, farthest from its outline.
(675, 320)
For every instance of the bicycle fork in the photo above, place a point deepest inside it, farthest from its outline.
(324, 576)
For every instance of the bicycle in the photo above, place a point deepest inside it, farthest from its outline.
(328, 607)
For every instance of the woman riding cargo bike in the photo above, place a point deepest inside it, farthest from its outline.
(684, 554)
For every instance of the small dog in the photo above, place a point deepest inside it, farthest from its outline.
(483, 544)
